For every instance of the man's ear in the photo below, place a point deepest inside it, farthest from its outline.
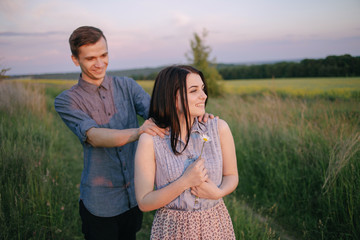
(75, 60)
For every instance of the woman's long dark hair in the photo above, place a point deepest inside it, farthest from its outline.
(168, 83)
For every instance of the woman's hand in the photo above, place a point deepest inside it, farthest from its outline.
(195, 174)
(208, 190)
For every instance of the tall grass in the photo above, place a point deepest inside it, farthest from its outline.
(298, 161)
(17, 97)
(38, 192)
(40, 168)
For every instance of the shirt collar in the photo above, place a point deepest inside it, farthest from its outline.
(91, 88)
(197, 127)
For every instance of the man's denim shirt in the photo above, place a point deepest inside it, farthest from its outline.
(107, 180)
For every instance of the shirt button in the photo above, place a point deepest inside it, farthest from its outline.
(109, 114)
(103, 97)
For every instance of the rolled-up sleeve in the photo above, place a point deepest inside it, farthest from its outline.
(78, 121)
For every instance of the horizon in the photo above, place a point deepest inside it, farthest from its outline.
(155, 67)
(143, 34)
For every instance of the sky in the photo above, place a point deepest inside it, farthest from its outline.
(34, 34)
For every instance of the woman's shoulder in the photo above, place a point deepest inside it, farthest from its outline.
(146, 138)
(223, 128)
(222, 124)
(217, 122)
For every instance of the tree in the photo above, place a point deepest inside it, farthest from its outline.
(199, 58)
(3, 72)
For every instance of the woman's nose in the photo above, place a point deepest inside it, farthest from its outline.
(203, 95)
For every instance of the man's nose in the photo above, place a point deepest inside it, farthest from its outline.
(99, 63)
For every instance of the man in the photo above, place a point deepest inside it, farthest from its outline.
(102, 111)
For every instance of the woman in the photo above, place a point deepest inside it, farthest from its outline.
(192, 168)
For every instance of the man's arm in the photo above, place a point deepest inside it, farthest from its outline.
(88, 131)
(105, 137)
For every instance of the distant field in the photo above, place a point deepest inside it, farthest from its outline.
(303, 87)
(146, 84)
(296, 86)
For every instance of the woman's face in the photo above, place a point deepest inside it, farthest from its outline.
(195, 96)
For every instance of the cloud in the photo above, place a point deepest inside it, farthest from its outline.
(30, 34)
(181, 20)
(12, 7)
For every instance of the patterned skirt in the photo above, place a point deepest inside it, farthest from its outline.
(213, 223)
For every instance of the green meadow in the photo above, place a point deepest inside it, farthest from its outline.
(330, 88)
(298, 153)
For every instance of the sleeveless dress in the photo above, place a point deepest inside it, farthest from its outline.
(185, 218)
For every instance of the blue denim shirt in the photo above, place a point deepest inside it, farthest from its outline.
(107, 180)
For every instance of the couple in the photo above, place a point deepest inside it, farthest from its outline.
(184, 173)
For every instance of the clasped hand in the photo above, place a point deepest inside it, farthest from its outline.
(196, 173)
(199, 182)
(207, 189)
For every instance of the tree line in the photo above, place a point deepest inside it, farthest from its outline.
(331, 66)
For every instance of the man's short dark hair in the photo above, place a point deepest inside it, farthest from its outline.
(82, 36)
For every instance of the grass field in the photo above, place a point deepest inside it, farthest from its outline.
(305, 84)
(298, 161)
(330, 88)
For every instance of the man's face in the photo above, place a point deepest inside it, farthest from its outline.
(93, 60)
